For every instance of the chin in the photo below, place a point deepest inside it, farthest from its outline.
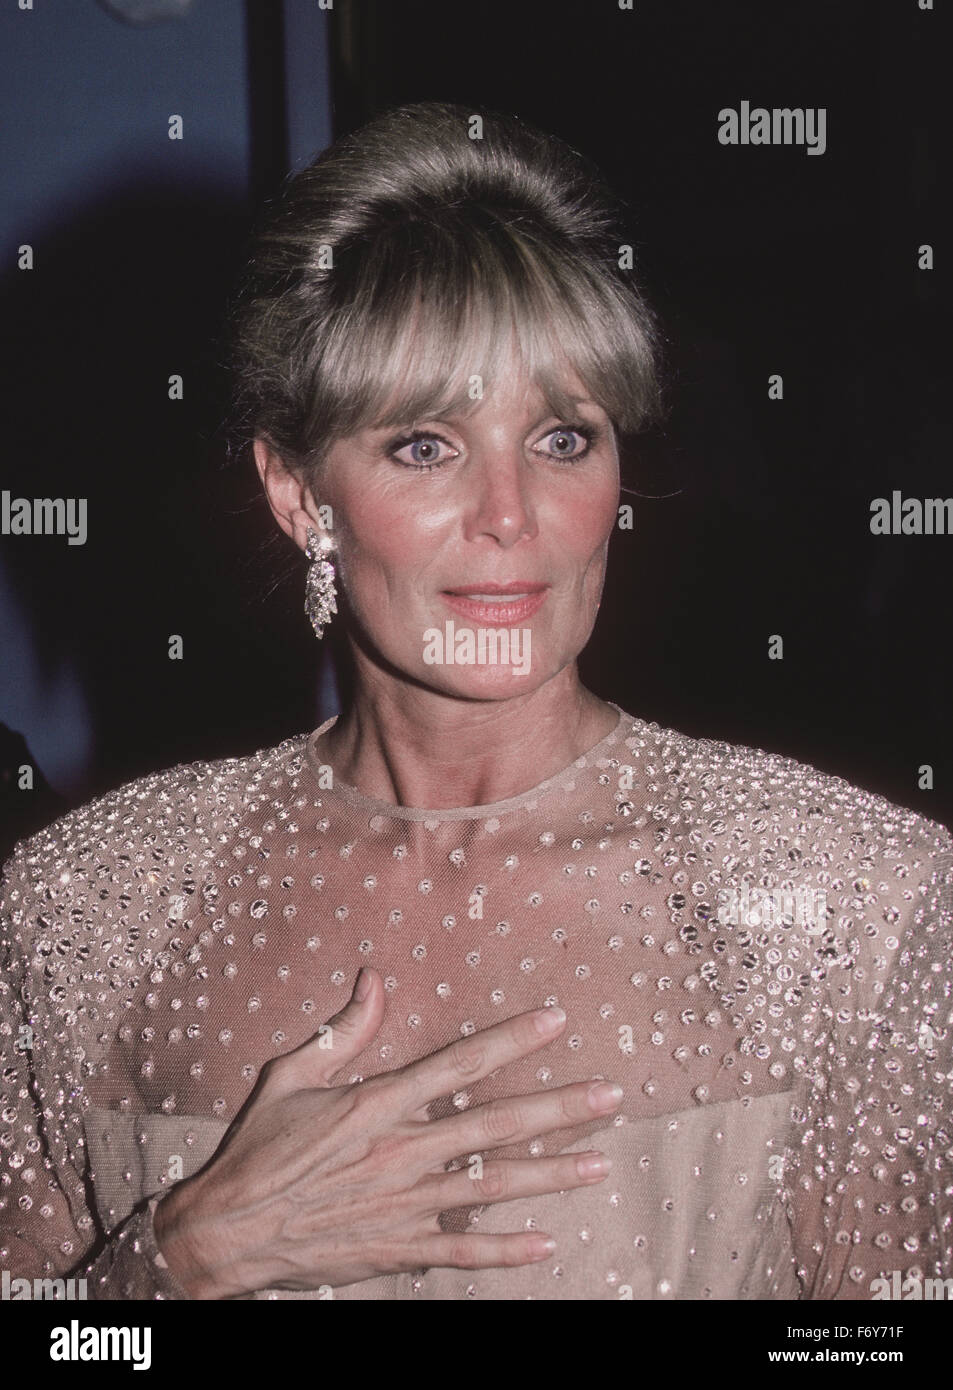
(484, 685)
(488, 683)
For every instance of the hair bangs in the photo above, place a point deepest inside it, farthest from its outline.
(436, 317)
(410, 270)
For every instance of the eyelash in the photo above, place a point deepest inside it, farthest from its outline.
(588, 432)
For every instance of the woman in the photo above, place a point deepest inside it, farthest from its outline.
(436, 356)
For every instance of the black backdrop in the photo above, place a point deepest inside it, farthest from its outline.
(759, 260)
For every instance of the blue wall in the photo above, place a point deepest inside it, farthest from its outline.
(85, 102)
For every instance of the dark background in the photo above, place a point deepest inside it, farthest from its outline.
(754, 518)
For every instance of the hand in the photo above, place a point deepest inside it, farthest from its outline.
(316, 1185)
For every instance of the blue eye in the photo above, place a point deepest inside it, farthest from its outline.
(424, 453)
(565, 433)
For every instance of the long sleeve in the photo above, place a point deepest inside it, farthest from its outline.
(49, 1226)
(871, 1192)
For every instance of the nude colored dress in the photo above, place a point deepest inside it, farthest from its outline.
(787, 1125)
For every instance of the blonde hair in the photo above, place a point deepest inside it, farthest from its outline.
(445, 253)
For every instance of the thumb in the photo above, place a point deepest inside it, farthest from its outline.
(346, 1033)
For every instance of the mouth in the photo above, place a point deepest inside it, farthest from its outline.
(498, 605)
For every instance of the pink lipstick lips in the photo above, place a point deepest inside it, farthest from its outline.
(497, 605)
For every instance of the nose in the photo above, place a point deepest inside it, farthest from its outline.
(500, 505)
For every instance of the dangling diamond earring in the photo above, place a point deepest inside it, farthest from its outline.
(320, 596)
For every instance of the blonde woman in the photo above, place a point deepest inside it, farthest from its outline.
(485, 988)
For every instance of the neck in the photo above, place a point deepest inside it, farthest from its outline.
(417, 747)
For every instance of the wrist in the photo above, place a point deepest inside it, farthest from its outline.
(187, 1244)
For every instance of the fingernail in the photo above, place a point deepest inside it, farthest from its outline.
(603, 1094)
(593, 1165)
(539, 1249)
(548, 1020)
(363, 987)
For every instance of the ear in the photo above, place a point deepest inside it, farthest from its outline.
(288, 496)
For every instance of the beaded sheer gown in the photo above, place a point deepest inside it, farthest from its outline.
(759, 953)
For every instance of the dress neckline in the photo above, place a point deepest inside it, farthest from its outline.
(489, 810)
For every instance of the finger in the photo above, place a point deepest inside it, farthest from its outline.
(505, 1179)
(340, 1040)
(483, 1252)
(501, 1122)
(468, 1059)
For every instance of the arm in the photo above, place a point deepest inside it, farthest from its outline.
(870, 1196)
(49, 1227)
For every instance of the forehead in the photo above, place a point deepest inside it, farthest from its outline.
(514, 394)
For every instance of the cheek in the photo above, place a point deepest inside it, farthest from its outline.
(384, 542)
(586, 526)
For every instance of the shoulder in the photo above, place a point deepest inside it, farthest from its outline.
(751, 791)
(145, 840)
(840, 899)
(840, 882)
